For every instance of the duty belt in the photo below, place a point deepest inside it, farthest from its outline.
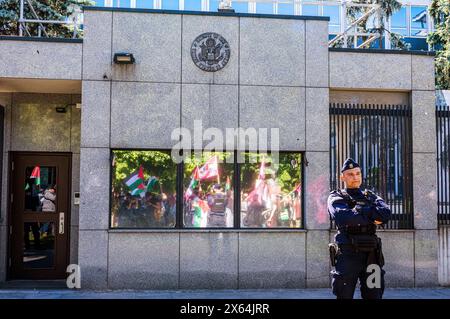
(359, 230)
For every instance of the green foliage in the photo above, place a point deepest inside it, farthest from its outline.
(440, 40)
(155, 163)
(287, 175)
(45, 10)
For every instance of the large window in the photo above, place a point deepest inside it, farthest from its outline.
(170, 4)
(399, 22)
(271, 191)
(122, 3)
(206, 190)
(264, 7)
(241, 7)
(193, 5)
(419, 21)
(143, 189)
(285, 8)
(144, 4)
(334, 14)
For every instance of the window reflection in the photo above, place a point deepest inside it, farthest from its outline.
(214, 5)
(399, 22)
(144, 4)
(270, 191)
(170, 4)
(418, 21)
(40, 188)
(310, 10)
(208, 190)
(143, 189)
(265, 8)
(286, 8)
(241, 7)
(193, 5)
(39, 245)
(122, 3)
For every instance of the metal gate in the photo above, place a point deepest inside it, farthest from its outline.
(443, 162)
(379, 138)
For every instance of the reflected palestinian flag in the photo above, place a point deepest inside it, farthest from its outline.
(152, 184)
(209, 169)
(194, 182)
(200, 216)
(135, 182)
(36, 174)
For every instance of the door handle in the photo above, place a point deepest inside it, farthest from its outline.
(61, 223)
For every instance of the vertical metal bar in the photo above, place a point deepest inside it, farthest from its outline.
(330, 118)
(405, 158)
(392, 156)
(180, 189)
(351, 141)
(379, 141)
(333, 146)
(398, 153)
(368, 132)
(367, 143)
(446, 160)
(388, 156)
(438, 163)
(390, 163)
(339, 141)
(361, 143)
(401, 162)
(346, 131)
(341, 137)
(21, 18)
(410, 180)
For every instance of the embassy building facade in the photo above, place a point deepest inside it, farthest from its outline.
(88, 170)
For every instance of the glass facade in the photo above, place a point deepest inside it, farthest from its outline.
(265, 7)
(193, 5)
(411, 21)
(399, 22)
(418, 21)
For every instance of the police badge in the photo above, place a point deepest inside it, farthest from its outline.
(210, 52)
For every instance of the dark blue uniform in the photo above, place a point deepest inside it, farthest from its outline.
(348, 212)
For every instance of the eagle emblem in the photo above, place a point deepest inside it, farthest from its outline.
(210, 52)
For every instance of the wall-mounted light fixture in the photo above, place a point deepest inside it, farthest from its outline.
(123, 58)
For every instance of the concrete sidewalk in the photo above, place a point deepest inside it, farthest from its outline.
(397, 293)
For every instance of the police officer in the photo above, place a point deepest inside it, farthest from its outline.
(356, 214)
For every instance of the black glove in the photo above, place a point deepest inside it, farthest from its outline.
(367, 209)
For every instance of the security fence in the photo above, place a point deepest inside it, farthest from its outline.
(378, 137)
(443, 162)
